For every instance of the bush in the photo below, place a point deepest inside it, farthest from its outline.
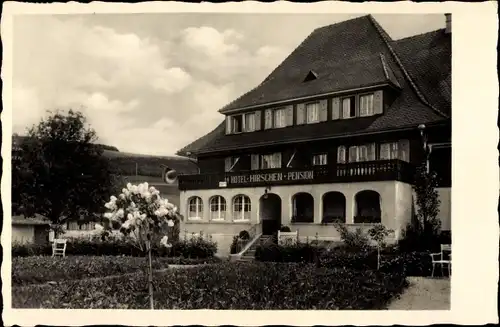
(285, 229)
(244, 235)
(299, 252)
(355, 240)
(196, 247)
(39, 269)
(258, 286)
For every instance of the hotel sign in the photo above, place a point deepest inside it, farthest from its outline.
(291, 176)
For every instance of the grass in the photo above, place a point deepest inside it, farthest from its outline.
(223, 286)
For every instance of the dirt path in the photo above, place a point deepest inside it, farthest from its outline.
(424, 294)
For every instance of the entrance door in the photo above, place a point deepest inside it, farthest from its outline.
(270, 213)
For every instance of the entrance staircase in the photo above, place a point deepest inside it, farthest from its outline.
(249, 254)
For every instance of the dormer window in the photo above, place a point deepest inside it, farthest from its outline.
(348, 107)
(310, 76)
(312, 112)
(279, 118)
(249, 122)
(236, 124)
(366, 105)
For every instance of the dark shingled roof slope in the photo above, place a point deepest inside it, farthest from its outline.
(346, 55)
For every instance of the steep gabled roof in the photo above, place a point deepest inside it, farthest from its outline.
(348, 55)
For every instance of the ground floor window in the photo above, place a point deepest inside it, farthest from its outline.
(303, 208)
(195, 208)
(368, 208)
(217, 208)
(334, 204)
(241, 207)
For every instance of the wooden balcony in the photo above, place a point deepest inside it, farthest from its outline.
(383, 170)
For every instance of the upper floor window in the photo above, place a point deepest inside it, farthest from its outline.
(366, 107)
(268, 119)
(241, 207)
(361, 153)
(249, 122)
(236, 123)
(312, 112)
(389, 151)
(320, 159)
(230, 163)
(269, 161)
(279, 118)
(217, 208)
(348, 107)
(341, 154)
(195, 208)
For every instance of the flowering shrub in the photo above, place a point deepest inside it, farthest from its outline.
(142, 215)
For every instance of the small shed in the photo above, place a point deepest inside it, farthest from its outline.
(30, 230)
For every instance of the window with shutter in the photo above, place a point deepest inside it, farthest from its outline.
(301, 114)
(323, 110)
(289, 116)
(348, 107)
(366, 105)
(270, 161)
(378, 103)
(312, 112)
(268, 119)
(258, 120)
(404, 150)
(341, 154)
(228, 163)
(372, 152)
(353, 153)
(254, 162)
(228, 124)
(335, 108)
(279, 118)
(249, 122)
(362, 153)
(385, 151)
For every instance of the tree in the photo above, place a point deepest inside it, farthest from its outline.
(59, 172)
(378, 233)
(145, 218)
(427, 201)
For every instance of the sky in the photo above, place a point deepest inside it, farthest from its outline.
(152, 83)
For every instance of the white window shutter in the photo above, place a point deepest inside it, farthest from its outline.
(378, 102)
(385, 150)
(289, 115)
(228, 124)
(228, 163)
(371, 152)
(323, 110)
(268, 119)
(341, 154)
(404, 150)
(335, 108)
(301, 117)
(258, 120)
(353, 154)
(254, 161)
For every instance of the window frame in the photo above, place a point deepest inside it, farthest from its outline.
(221, 207)
(242, 207)
(275, 118)
(320, 155)
(272, 156)
(393, 151)
(199, 208)
(246, 124)
(352, 99)
(232, 124)
(358, 111)
(306, 107)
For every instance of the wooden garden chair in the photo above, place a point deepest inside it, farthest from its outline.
(59, 247)
(440, 259)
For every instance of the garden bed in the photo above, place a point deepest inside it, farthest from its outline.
(42, 269)
(277, 286)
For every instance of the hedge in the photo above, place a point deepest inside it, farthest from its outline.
(411, 263)
(196, 248)
(262, 286)
(39, 269)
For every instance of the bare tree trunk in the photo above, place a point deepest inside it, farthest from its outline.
(150, 277)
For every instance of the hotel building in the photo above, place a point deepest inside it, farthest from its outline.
(333, 134)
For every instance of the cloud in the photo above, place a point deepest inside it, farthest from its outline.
(142, 93)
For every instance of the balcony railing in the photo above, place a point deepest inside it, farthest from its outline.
(383, 170)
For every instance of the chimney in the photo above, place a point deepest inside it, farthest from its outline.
(448, 23)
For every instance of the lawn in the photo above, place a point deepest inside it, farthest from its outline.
(220, 286)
